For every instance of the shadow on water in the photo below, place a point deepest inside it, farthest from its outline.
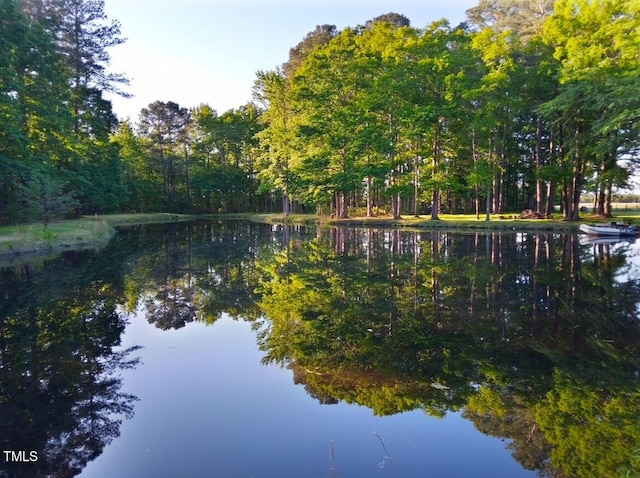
(533, 337)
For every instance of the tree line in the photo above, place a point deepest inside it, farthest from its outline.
(56, 152)
(521, 106)
(524, 105)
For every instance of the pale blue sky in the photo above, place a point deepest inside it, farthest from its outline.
(208, 51)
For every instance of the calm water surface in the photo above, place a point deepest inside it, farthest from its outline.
(240, 350)
(208, 408)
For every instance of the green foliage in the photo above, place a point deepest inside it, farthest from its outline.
(315, 39)
(596, 45)
(518, 107)
(53, 116)
(375, 110)
(594, 433)
(224, 159)
(45, 199)
(522, 17)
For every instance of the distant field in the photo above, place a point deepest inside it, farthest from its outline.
(617, 206)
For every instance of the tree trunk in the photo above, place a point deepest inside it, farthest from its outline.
(565, 199)
(572, 213)
(608, 209)
(416, 185)
(488, 206)
(435, 204)
(187, 178)
(435, 198)
(396, 205)
(550, 198)
(342, 205)
(551, 184)
(369, 197)
(599, 199)
(539, 186)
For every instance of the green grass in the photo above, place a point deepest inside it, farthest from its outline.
(498, 222)
(95, 231)
(88, 232)
(132, 219)
(447, 221)
(59, 235)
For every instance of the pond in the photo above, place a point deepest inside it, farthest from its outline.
(238, 349)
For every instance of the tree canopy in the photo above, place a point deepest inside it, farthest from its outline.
(527, 105)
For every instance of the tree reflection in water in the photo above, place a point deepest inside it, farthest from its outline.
(530, 335)
(60, 391)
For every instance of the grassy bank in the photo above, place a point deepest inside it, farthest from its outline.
(132, 219)
(88, 232)
(447, 221)
(34, 239)
(95, 231)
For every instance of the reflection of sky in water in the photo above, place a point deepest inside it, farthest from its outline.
(630, 248)
(209, 408)
(632, 269)
(632, 251)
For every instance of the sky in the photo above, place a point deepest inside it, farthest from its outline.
(208, 51)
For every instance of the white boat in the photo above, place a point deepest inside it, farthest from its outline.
(613, 230)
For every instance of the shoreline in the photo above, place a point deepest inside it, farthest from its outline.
(30, 241)
(422, 223)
